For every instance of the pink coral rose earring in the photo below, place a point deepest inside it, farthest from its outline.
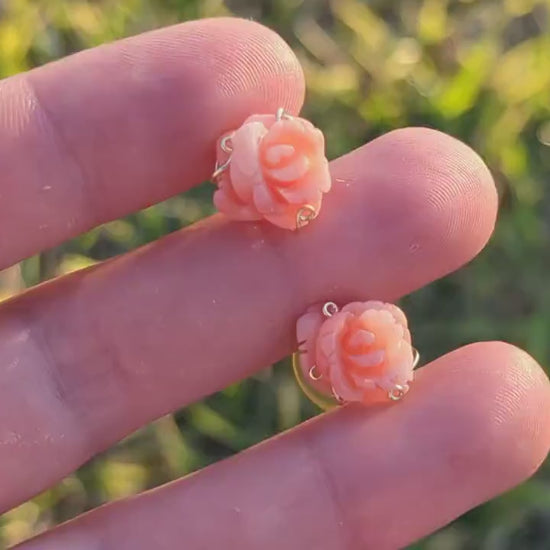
(273, 167)
(361, 353)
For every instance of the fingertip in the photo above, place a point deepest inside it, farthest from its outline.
(454, 189)
(285, 87)
(233, 68)
(414, 202)
(521, 409)
(268, 67)
(501, 399)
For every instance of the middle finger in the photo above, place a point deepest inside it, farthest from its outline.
(91, 357)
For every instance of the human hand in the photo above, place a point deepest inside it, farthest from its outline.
(90, 357)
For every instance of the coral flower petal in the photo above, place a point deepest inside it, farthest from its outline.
(291, 172)
(363, 351)
(371, 359)
(223, 202)
(361, 338)
(245, 169)
(276, 167)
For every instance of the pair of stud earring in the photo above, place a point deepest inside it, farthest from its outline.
(273, 169)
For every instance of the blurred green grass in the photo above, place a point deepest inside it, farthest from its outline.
(479, 70)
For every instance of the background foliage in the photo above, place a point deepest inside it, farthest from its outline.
(479, 70)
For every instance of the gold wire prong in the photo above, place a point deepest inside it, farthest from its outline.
(226, 145)
(282, 114)
(314, 374)
(416, 357)
(305, 215)
(219, 170)
(397, 392)
(329, 309)
(337, 397)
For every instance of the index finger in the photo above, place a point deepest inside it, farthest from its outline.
(114, 129)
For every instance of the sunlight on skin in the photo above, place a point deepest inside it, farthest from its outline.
(82, 367)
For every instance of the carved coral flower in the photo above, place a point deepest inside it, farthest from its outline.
(361, 353)
(277, 170)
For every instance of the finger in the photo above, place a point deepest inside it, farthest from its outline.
(112, 130)
(475, 423)
(89, 358)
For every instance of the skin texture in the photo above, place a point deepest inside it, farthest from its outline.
(114, 129)
(92, 367)
(350, 479)
(88, 358)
